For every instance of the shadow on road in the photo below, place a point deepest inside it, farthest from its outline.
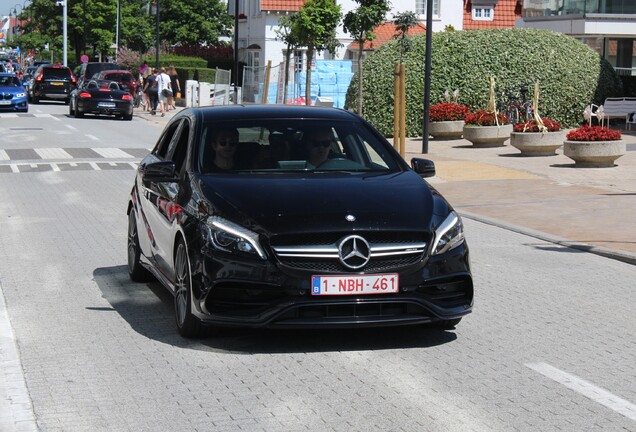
(148, 309)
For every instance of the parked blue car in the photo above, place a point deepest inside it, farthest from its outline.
(13, 96)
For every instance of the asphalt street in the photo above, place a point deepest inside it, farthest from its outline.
(550, 346)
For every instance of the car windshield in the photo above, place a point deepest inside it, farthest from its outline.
(10, 81)
(292, 145)
(118, 77)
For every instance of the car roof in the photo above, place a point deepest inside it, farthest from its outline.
(234, 112)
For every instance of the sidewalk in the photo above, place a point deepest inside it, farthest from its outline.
(592, 209)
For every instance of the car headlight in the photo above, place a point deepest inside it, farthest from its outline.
(230, 237)
(19, 95)
(449, 234)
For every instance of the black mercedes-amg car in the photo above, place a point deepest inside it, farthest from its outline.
(286, 216)
(101, 97)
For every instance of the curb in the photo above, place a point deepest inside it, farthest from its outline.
(623, 256)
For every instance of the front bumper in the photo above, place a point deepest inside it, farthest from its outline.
(228, 293)
(17, 104)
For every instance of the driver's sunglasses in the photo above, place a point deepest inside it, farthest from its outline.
(321, 143)
(226, 143)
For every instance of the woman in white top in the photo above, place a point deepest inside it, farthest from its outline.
(165, 90)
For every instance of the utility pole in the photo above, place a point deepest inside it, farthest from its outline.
(427, 73)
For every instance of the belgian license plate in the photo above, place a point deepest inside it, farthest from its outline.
(355, 285)
(106, 104)
(57, 83)
(5, 102)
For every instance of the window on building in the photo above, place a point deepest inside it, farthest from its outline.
(420, 8)
(483, 13)
(299, 60)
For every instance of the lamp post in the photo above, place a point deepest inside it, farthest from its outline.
(427, 73)
(64, 42)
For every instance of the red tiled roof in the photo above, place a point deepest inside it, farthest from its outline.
(282, 5)
(506, 12)
(384, 33)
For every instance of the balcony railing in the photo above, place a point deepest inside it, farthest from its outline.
(546, 8)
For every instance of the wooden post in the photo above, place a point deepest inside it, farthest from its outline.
(403, 110)
(266, 89)
(396, 106)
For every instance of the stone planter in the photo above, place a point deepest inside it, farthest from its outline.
(594, 154)
(487, 136)
(446, 129)
(537, 143)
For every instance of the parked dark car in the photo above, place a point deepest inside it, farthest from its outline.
(101, 98)
(237, 217)
(125, 79)
(12, 94)
(52, 82)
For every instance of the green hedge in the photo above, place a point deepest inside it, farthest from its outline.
(570, 74)
(178, 61)
(197, 74)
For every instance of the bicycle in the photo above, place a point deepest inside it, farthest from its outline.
(516, 105)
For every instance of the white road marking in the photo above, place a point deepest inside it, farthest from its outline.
(93, 137)
(71, 127)
(587, 389)
(14, 168)
(133, 165)
(52, 153)
(46, 116)
(112, 153)
(55, 167)
(94, 166)
(3, 155)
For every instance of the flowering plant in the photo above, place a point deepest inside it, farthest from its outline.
(486, 118)
(593, 133)
(448, 111)
(533, 126)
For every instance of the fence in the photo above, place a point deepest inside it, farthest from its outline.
(207, 94)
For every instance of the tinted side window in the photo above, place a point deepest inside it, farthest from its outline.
(162, 147)
(179, 146)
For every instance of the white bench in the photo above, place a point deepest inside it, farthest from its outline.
(615, 108)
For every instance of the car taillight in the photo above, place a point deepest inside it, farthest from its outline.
(73, 79)
(85, 95)
(126, 97)
(39, 77)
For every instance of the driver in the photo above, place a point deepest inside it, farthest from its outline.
(317, 144)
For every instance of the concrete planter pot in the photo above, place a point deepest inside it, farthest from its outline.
(594, 154)
(487, 136)
(537, 143)
(446, 129)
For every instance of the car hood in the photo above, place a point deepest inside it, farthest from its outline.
(323, 202)
(13, 90)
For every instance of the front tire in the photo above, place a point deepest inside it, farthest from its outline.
(71, 111)
(188, 325)
(136, 271)
(78, 113)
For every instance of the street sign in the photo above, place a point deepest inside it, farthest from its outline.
(84, 58)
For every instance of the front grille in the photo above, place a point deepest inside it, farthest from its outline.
(354, 312)
(7, 96)
(326, 252)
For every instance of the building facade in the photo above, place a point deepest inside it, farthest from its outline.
(608, 26)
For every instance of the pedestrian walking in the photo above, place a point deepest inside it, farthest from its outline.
(152, 91)
(165, 90)
(176, 87)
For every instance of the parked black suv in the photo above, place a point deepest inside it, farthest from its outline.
(88, 70)
(52, 82)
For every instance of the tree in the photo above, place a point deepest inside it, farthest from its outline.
(194, 21)
(315, 26)
(286, 34)
(404, 21)
(359, 24)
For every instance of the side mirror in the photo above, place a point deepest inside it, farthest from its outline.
(424, 167)
(161, 171)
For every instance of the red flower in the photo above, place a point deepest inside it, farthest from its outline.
(531, 126)
(593, 133)
(486, 118)
(448, 112)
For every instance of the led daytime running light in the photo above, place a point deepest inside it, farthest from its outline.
(237, 231)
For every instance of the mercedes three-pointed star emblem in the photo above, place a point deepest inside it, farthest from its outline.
(354, 252)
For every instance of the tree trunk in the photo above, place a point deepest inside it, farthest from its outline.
(310, 55)
(360, 49)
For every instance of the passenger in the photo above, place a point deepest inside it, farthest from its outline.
(224, 143)
(317, 144)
